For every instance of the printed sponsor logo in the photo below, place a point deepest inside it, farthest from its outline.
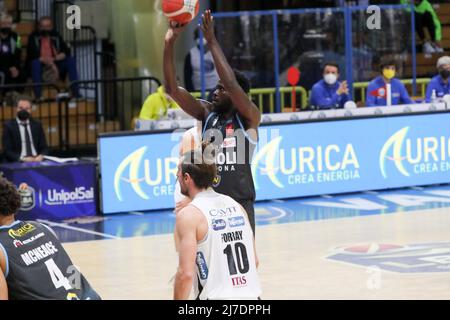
(22, 231)
(236, 222)
(229, 143)
(62, 197)
(202, 267)
(415, 258)
(158, 175)
(222, 212)
(219, 224)
(416, 155)
(18, 243)
(27, 197)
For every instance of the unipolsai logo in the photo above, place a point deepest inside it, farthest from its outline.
(27, 197)
(417, 155)
(138, 173)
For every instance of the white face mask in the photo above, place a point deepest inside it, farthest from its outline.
(330, 78)
(205, 43)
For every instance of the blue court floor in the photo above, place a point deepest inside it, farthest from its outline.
(137, 224)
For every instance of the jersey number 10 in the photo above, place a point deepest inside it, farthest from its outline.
(241, 258)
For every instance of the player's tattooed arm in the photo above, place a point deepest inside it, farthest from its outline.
(185, 100)
(246, 108)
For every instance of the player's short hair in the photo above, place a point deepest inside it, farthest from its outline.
(202, 169)
(330, 64)
(9, 198)
(243, 81)
(387, 62)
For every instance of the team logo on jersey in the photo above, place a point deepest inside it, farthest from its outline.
(216, 181)
(27, 197)
(202, 267)
(229, 130)
(17, 243)
(415, 258)
(219, 224)
(236, 222)
(229, 143)
(22, 231)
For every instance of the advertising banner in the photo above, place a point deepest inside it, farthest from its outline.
(292, 160)
(54, 191)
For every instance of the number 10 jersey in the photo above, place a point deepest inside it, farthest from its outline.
(226, 262)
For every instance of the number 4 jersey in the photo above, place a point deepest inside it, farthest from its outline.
(226, 262)
(38, 267)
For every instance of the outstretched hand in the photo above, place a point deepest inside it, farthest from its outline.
(175, 29)
(207, 26)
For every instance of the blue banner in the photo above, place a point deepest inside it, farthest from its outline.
(54, 191)
(292, 160)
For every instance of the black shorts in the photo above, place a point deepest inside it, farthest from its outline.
(249, 206)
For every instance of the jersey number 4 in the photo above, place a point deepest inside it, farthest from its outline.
(240, 252)
(57, 276)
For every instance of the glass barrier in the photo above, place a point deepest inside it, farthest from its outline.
(308, 38)
(248, 44)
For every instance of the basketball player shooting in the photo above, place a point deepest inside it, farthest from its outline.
(230, 122)
(216, 244)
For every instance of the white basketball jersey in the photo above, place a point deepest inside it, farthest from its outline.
(226, 263)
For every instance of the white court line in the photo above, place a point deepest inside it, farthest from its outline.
(137, 213)
(65, 226)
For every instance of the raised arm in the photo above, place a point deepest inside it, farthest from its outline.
(185, 100)
(245, 107)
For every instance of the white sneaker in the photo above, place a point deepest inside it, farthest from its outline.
(428, 48)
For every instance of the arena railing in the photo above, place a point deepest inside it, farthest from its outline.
(265, 97)
(265, 44)
(72, 125)
(110, 107)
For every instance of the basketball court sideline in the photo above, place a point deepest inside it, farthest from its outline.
(376, 245)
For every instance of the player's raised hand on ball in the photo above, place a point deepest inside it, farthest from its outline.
(174, 30)
(208, 26)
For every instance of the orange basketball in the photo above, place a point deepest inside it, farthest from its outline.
(181, 11)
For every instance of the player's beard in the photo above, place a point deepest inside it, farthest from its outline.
(183, 189)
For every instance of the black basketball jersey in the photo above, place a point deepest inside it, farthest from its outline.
(38, 267)
(234, 153)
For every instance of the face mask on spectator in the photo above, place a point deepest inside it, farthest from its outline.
(389, 73)
(23, 115)
(445, 74)
(330, 78)
(5, 31)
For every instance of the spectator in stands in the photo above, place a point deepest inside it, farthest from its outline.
(426, 18)
(48, 54)
(192, 68)
(440, 83)
(377, 93)
(329, 93)
(24, 138)
(10, 53)
(156, 105)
